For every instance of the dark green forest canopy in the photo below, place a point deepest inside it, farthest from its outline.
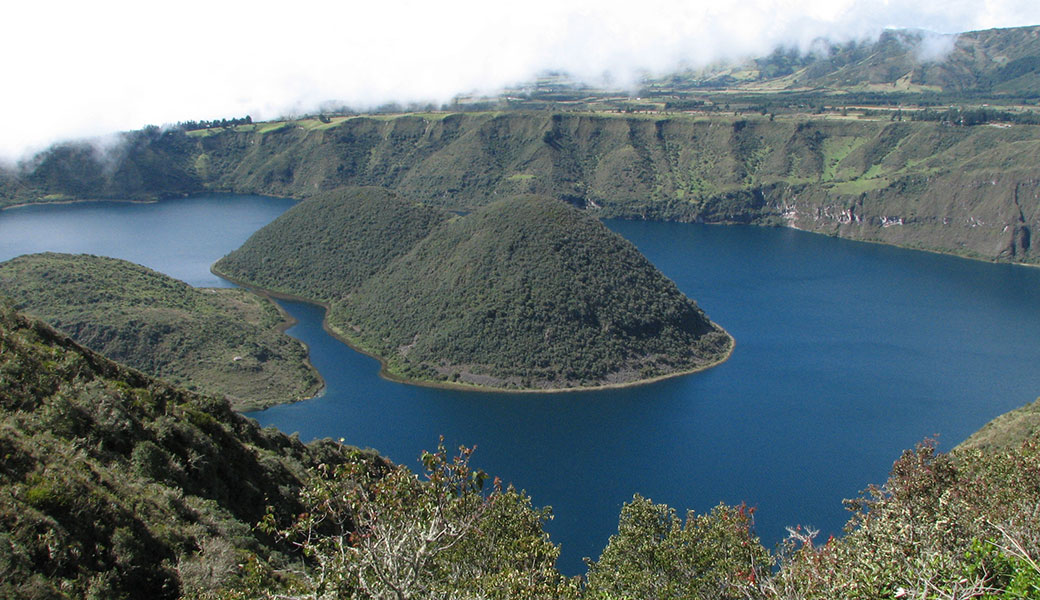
(219, 341)
(327, 246)
(530, 292)
(525, 293)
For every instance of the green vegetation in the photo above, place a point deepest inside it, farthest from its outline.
(149, 164)
(656, 555)
(529, 293)
(943, 526)
(397, 536)
(326, 247)
(975, 191)
(526, 293)
(819, 142)
(224, 342)
(116, 485)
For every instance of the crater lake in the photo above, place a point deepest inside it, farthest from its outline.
(847, 353)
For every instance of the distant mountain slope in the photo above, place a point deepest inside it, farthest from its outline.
(969, 190)
(219, 341)
(117, 485)
(995, 61)
(990, 63)
(524, 293)
(148, 164)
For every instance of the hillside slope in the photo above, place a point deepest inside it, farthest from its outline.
(326, 247)
(993, 62)
(1008, 430)
(224, 342)
(968, 190)
(526, 293)
(117, 485)
(989, 65)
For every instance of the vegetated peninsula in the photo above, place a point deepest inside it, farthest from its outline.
(525, 293)
(225, 342)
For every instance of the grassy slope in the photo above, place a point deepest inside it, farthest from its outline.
(224, 342)
(1007, 431)
(988, 65)
(995, 61)
(114, 484)
(527, 292)
(971, 191)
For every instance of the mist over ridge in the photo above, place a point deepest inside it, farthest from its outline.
(94, 69)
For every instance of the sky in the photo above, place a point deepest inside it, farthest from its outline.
(87, 68)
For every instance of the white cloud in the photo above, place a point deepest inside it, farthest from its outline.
(935, 46)
(79, 68)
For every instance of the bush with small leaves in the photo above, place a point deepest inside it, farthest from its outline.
(655, 556)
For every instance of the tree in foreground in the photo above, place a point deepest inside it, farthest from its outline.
(391, 534)
(944, 527)
(655, 556)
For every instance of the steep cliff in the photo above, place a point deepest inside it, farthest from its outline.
(973, 191)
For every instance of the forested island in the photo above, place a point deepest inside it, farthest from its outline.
(223, 342)
(526, 293)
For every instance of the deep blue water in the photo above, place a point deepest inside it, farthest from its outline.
(847, 353)
(181, 237)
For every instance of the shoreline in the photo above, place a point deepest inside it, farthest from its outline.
(288, 321)
(966, 256)
(78, 201)
(389, 376)
(873, 241)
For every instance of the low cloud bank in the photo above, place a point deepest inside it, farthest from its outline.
(85, 69)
